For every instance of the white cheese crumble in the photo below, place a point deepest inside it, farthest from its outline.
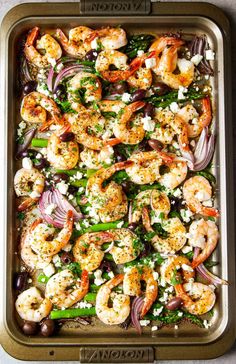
(186, 214)
(182, 90)
(196, 59)
(144, 322)
(111, 275)
(52, 61)
(27, 163)
(84, 305)
(148, 123)
(155, 275)
(49, 270)
(34, 194)
(210, 55)
(42, 88)
(120, 224)
(177, 192)
(187, 268)
(98, 281)
(154, 328)
(67, 248)
(56, 260)
(126, 97)
(184, 65)
(206, 324)
(62, 187)
(176, 327)
(208, 203)
(186, 249)
(157, 311)
(150, 62)
(94, 43)
(50, 208)
(140, 53)
(174, 107)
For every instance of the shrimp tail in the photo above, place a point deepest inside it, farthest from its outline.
(26, 204)
(123, 165)
(32, 36)
(113, 141)
(69, 220)
(210, 211)
(85, 281)
(206, 116)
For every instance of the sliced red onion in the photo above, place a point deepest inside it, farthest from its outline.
(58, 216)
(69, 71)
(135, 313)
(50, 78)
(130, 219)
(199, 45)
(53, 70)
(27, 137)
(109, 248)
(204, 150)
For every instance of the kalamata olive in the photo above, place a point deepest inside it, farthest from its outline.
(118, 88)
(149, 109)
(60, 92)
(40, 163)
(72, 190)
(138, 95)
(58, 177)
(20, 281)
(176, 203)
(119, 157)
(160, 88)
(30, 86)
(144, 146)
(127, 186)
(174, 303)
(91, 55)
(132, 226)
(67, 136)
(30, 328)
(47, 327)
(155, 144)
(66, 258)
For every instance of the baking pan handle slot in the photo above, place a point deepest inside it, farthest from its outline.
(116, 354)
(115, 7)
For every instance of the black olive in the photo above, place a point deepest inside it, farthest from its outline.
(160, 88)
(132, 226)
(118, 88)
(155, 144)
(119, 157)
(40, 163)
(67, 137)
(176, 203)
(144, 146)
(91, 55)
(66, 258)
(60, 92)
(174, 303)
(149, 110)
(127, 185)
(20, 281)
(58, 177)
(30, 328)
(47, 327)
(138, 95)
(30, 86)
(72, 190)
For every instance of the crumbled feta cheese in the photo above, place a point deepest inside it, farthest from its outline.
(29, 280)
(164, 298)
(50, 208)
(144, 322)
(67, 248)
(77, 226)
(184, 65)
(38, 156)
(150, 62)
(186, 214)
(182, 90)
(186, 249)
(52, 61)
(111, 274)
(81, 189)
(22, 125)
(94, 43)
(157, 311)
(175, 145)
(62, 187)
(148, 123)
(98, 281)
(27, 163)
(120, 224)
(207, 77)
(155, 275)
(208, 203)
(34, 194)
(176, 327)
(49, 270)
(206, 324)
(174, 107)
(56, 260)
(90, 98)
(196, 59)
(140, 53)
(202, 195)
(86, 223)
(180, 314)
(177, 192)
(210, 55)
(70, 197)
(83, 304)
(154, 328)
(187, 268)
(78, 175)
(42, 88)
(126, 97)
(43, 151)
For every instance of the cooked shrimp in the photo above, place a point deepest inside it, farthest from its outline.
(35, 106)
(123, 130)
(132, 286)
(203, 234)
(110, 201)
(146, 166)
(111, 38)
(195, 122)
(78, 43)
(64, 290)
(88, 82)
(177, 173)
(198, 298)
(169, 270)
(176, 234)
(95, 159)
(87, 249)
(41, 232)
(196, 190)
(159, 202)
(186, 71)
(111, 105)
(47, 43)
(125, 251)
(120, 309)
(160, 46)
(28, 182)
(84, 127)
(142, 78)
(164, 131)
(62, 155)
(31, 306)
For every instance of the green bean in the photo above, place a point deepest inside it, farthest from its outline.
(91, 172)
(103, 226)
(71, 172)
(90, 297)
(72, 312)
(79, 183)
(42, 278)
(39, 143)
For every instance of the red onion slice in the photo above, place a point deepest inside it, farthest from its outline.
(199, 45)
(135, 313)
(204, 150)
(69, 71)
(130, 218)
(28, 136)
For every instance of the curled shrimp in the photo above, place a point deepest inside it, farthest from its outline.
(123, 130)
(176, 231)
(35, 106)
(198, 298)
(87, 249)
(169, 270)
(132, 286)
(125, 250)
(78, 43)
(146, 166)
(120, 309)
(196, 190)
(110, 38)
(31, 306)
(41, 232)
(164, 131)
(203, 234)
(30, 183)
(110, 201)
(62, 155)
(176, 174)
(47, 43)
(64, 290)
(159, 202)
